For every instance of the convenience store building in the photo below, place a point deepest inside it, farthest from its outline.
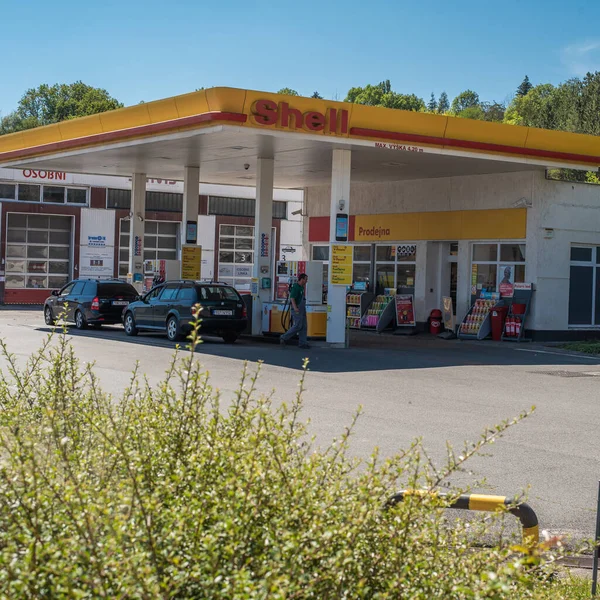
(436, 205)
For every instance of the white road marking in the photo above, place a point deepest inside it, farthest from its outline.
(596, 358)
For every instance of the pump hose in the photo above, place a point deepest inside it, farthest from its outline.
(286, 314)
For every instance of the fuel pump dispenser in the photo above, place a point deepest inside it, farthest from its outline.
(158, 271)
(276, 315)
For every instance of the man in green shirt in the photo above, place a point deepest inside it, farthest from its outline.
(298, 302)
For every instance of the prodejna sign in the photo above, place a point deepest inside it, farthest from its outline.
(268, 112)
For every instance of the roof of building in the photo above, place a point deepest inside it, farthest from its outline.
(254, 113)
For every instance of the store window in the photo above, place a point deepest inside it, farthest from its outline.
(38, 251)
(495, 265)
(320, 253)
(361, 271)
(50, 194)
(155, 201)
(584, 286)
(395, 267)
(161, 242)
(8, 191)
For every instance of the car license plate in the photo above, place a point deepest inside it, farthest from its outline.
(222, 313)
(120, 303)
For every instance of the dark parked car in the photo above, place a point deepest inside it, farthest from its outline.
(170, 308)
(90, 302)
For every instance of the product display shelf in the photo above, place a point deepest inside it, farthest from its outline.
(477, 325)
(517, 319)
(378, 312)
(356, 306)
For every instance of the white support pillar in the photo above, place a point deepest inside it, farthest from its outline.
(336, 294)
(191, 193)
(263, 243)
(136, 231)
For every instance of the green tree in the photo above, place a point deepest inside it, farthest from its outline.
(525, 87)
(288, 92)
(472, 112)
(317, 95)
(466, 99)
(493, 111)
(443, 104)
(432, 104)
(382, 95)
(47, 104)
(536, 109)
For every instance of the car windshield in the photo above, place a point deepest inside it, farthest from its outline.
(217, 292)
(109, 290)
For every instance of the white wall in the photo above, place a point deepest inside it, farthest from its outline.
(444, 193)
(562, 214)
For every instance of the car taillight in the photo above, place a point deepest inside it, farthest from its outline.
(96, 303)
(244, 312)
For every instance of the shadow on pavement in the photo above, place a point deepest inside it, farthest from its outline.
(368, 352)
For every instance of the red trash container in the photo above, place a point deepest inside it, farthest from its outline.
(435, 321)
(498, 317)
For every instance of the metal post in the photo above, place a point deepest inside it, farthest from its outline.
(596, 548)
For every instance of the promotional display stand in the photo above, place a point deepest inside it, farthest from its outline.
(381, 312)
(405, 314)
(514, 325)
(477, 324)
(357, 303)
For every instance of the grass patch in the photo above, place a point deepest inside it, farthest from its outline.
(588, 346)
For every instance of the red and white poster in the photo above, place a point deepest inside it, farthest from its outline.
(506, 279)
(405, 310)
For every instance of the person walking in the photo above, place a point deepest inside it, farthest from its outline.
(298, 301)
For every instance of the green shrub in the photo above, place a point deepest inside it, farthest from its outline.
(172, 492)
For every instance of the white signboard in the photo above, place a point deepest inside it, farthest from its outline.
(96, 262)
(97, 244)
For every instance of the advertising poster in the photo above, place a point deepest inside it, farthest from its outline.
(405, 310)
(506, 280)
(96, 262)
(448, 311)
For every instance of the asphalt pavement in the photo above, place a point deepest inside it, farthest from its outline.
(408, 387)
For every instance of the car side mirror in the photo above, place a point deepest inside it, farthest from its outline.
(55, 292)
(137, 298)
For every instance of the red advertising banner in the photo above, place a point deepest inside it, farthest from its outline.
(405, 310)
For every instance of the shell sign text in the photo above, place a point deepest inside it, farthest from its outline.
(268, 112)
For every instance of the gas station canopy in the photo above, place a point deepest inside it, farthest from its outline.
(224, 131)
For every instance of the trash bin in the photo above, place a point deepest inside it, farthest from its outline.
(435, 322)
(498, 317)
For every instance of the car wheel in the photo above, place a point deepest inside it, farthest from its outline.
(129, 324)
(173, 329)
(48, 318)
(80, 321)
(230, 337)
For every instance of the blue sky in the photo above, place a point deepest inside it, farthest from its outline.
(145, 50)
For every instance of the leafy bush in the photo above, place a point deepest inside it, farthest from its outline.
(172, 492)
